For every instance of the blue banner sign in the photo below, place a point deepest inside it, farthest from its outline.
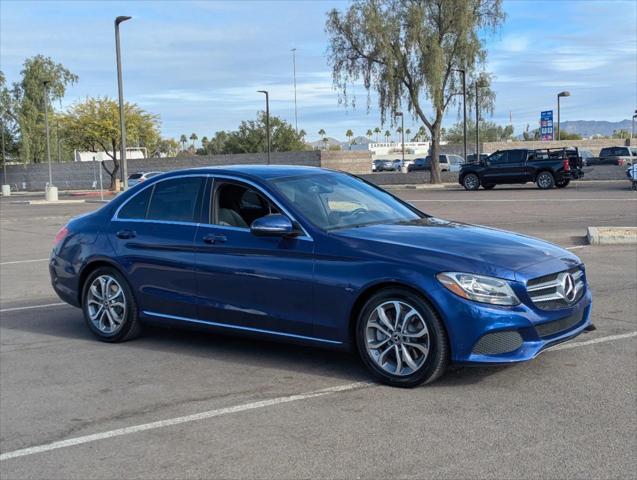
(546, 125)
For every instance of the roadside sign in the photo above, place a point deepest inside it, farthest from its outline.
(546, 125)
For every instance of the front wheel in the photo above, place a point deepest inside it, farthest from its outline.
(401, 339)
(562, 183)
(545, 180)
(471, 182)
(109, 307)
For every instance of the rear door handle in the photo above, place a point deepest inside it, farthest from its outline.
(215, 238)
(126, 234)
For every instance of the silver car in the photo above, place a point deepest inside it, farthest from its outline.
(135, 178)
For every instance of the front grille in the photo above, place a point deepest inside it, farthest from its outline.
(551, 292)
(498, 342)
(557, 326)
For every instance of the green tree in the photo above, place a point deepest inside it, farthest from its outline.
(251, 137)
(28, 97)
(193, 138)
(489, 132)
(7, 122)
(321, 133)
(302, 134)
(407, 133)
(93, 125)
(616, 134)
(377, 132)
(387, 135)
(576, 136)
(183, 140)
(408, 51)
(369, 133)
(166, 147)
(349, 134)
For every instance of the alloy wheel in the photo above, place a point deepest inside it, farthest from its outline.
(397, 338)
(471, 182)
(106, 304)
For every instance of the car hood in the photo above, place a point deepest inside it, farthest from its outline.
(462, 247)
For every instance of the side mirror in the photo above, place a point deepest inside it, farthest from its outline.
(273, 226)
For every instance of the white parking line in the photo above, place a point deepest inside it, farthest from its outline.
(178, 420)
(238, 408)
(610, 338)
(31, 307)
(25, 261)
(577, 248)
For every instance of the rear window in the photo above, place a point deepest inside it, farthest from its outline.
(136, 207)
(621, 152)
(175, 200)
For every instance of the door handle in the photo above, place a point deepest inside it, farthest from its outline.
(126, 234)
(215, 238)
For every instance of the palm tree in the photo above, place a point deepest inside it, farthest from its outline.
(377, 132)
(183, 140)
(193, 137)
(321, 133)
(302, 134)
(422, 134)
(369, 133)
(325, 141)
(387, 136)
(407, 132)
(349, 134)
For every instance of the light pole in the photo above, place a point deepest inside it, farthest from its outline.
(632, 131)
(464, 113)
(120, 88)
(561, 94)
(296, 120)
(51, 191)
(267, 119)
(6, 188)
(402, 133)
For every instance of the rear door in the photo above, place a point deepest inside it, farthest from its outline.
(247, 282)
(153, 234)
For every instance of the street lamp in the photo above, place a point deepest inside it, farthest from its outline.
(120, 88)
(51, 191)
(632, 131)
(402, 133)
(478, 85)
(464, 107)
(561, 94)
(296, 120)
(6, 188)
(267, 119)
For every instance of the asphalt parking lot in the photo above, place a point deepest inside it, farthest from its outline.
(176, 404)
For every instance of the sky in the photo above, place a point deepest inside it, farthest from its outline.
(199, 64)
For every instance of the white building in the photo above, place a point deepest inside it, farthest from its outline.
(131, 152)
(383, 149)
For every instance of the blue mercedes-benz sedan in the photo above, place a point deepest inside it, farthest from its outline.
(320, 257)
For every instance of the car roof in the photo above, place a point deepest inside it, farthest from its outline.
(264, 172)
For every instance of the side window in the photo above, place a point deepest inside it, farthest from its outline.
(238, 205)
(604, 152)
(175, 200)
(137, 206)
(516, 156)
(621, 152)
(498, 158)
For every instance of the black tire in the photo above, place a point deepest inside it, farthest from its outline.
(563, 183)
(130, 326)
(489, 186)
(437, 358)
(471, 181)
(545, 180)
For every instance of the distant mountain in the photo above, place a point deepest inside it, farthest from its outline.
(330, 142)
(589, 128)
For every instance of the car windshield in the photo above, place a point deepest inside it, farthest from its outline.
(333, 200)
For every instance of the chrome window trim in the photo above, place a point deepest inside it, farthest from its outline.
(306, 236)
(115, 217)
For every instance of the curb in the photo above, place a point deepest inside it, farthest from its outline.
(612, 235)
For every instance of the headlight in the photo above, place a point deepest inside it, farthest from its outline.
(479, 288)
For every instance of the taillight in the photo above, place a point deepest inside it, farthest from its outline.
(61, 235)
(567, 165)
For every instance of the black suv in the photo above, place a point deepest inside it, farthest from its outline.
(547, 167)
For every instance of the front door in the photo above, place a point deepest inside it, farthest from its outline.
(247, 282)
(153, 235)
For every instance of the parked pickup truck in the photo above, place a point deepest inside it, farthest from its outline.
(622, 156)
(552, 167)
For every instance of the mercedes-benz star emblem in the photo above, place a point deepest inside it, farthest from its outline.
(566, 287)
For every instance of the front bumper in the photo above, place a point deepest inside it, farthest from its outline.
(489, 334)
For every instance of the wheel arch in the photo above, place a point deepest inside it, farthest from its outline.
(371, 290)
(90, 267)
(542, 170)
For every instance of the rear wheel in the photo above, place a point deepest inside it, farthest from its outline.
(562, 183)
(401, 339)
(109, 308)
(545, 180)
(489, 186)
(471, 181)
